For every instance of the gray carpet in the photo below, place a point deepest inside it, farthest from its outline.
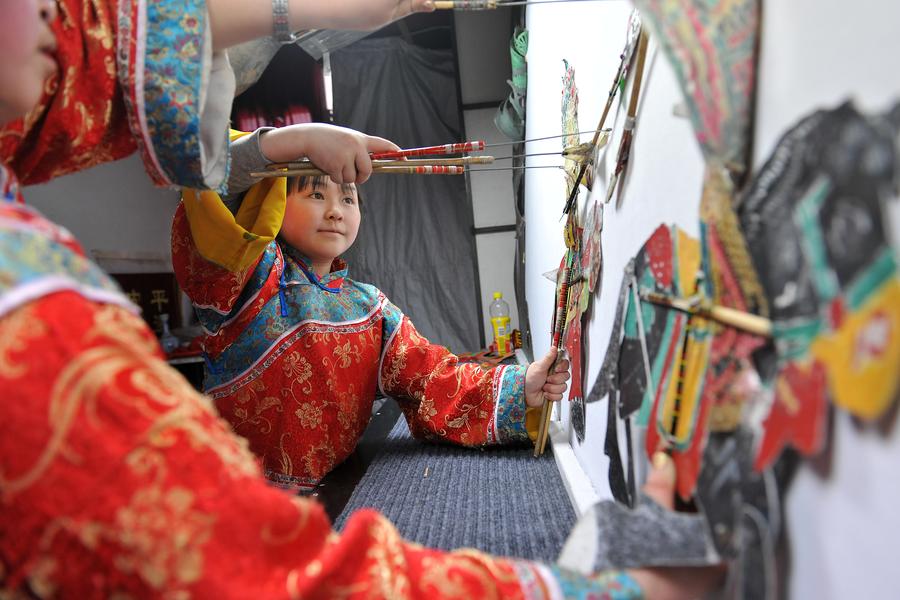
(499, 500)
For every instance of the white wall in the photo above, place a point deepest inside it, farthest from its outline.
(114, 211)
(482, 40)
(663, 183)
(492, 204)
(843, 521)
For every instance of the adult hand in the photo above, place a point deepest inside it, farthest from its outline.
(342, 153)
(672, 583)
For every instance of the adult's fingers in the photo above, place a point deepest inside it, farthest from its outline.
(348, 174)
(422, 5)
(363, 166)
(379, 144)
(661, 481)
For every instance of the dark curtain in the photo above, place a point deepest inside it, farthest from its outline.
(416, 241)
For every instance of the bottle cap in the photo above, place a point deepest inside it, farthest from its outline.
(497, 295)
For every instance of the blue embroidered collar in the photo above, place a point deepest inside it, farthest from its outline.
(9, 186)
(330, 282)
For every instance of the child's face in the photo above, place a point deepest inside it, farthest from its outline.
(26, 54)
(322, 221)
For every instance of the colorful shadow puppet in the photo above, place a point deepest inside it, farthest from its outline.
(657, 365)
(568, 322)
(813, 219)
(805, 244)
(814, 223)
(584, 258)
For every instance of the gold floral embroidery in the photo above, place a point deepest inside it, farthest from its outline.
(287, 465)
(446, 364)
(101, 32)
(310, 415)
(396, 366)
(347, 403)
(271, 537)
(427, 409)
(40, 577)
(149, 386)
(346, 353)
(159, 533)
(389, 569)
(298, 370)
(314, 568)
(442, 575)
(297, 366)
(318, 339)
(319, 458)
(16, 330)
(462, 420)
(160, 555)
(250, 394)
(87, 123)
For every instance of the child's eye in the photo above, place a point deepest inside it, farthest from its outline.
(350, 200)
(317, 195)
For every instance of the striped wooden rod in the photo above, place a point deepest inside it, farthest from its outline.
(475, 146)
(387, 169)
(409, 162)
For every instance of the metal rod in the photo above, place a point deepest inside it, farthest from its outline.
(537, 139)
(570, 153)
(511, 168)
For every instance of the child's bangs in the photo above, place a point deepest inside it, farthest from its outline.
(301, 182)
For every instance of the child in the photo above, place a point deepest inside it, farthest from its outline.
(297, 350)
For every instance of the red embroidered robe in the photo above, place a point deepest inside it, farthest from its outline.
(294, 363)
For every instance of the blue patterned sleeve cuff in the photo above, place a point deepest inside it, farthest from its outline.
(610, 585)
(509, 404)
(177, 91)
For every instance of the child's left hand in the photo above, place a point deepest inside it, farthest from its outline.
(540, 384)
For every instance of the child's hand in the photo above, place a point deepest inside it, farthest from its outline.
(342, 153)
(541, 384)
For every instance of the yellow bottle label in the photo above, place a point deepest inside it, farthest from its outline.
(501, 334)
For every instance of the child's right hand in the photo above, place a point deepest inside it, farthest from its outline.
(341, 152)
